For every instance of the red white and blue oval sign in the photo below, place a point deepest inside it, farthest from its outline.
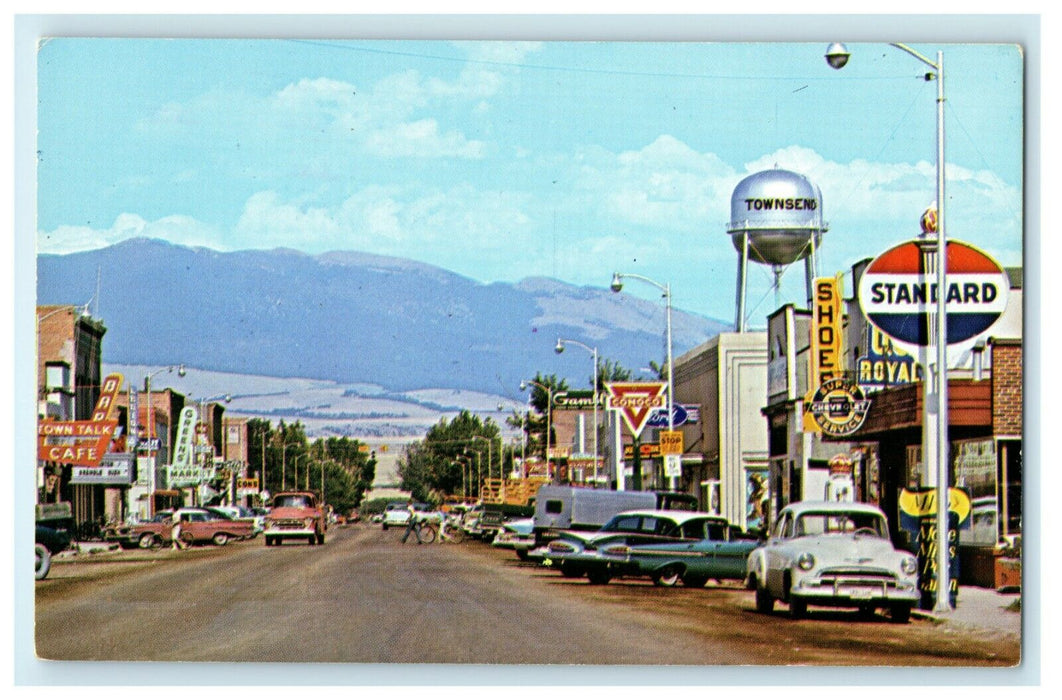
(899, 297)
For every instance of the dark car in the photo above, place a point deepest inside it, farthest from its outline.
(49, 541)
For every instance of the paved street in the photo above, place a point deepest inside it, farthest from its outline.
(363, 597)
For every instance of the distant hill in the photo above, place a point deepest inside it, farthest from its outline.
(350, 317)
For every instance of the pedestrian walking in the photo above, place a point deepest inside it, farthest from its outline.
(175, 532)
(413, 525)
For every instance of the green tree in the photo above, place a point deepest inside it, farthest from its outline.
(432, 465)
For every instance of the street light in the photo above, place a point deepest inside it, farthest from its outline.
(549, 413)
(934, 456)
(593, 351)
(480, 437)
(284, 465)
(479, 469)
(617, 286)
(150, 427)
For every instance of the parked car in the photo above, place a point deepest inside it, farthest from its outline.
(295, 515)
(198, 525)
(48, 542)
(145, 534)
(241, 513)
(397, 514)
(576, 553)
(716, 550)
(518, 535)
(833, 554)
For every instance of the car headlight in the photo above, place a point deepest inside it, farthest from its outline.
(909, 565)
(806, 561)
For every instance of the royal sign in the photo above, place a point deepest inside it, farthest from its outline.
(899, 296)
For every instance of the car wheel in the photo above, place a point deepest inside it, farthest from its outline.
(668, 576)
(694, 581)
(764, 601)
(521, 554)
(570, 570)
(312, 539)
(385, 527)
(42, 561)
(598, 578)
(798, 608)
(867, 610)
(220, 539)
(146, 541)
(900, 613)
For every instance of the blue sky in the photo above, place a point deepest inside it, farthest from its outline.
(506, 160)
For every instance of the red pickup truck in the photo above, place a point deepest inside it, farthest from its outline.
(297, 515)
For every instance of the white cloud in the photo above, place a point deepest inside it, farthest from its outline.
(181, 230)
(421, 139)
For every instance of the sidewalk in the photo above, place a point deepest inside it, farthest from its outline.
(79, 548)
(981, 608)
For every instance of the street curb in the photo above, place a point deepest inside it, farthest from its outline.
(89, 548)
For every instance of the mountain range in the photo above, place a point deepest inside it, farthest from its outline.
(349, 318)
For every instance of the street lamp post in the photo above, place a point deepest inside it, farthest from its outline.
(284, 466)
(150, 427)
(479, 469)
(934, 447)
(617, 286)
(593, 351)
(549, 414)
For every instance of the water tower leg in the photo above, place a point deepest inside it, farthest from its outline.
(810, 266)
(743, 266)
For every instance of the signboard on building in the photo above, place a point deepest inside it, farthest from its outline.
(79, 442)
(182, 455)
(647, 450)
(115, 469)
(827, 360)
(835, 409)
(885, 364)
(576, 400)
(681, 414)
(897, 296)
(635, 401)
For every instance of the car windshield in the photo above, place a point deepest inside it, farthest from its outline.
(840, 523)
(294, 501)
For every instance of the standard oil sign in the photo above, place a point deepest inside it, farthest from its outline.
(899, 297)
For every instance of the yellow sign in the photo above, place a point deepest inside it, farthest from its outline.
(671, 442)
(826, 361)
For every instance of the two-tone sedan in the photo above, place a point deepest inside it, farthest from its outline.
(720, 553)
(577, 553)
(833, 554)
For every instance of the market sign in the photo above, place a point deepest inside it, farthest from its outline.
(835, 409)
(635, 401)
(898, 295)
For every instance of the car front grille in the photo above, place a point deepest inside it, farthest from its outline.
(855, 576)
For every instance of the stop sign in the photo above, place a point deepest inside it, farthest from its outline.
(897, 296)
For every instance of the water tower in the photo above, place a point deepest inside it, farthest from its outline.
(776, 220)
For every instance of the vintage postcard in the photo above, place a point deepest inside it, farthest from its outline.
(632, 357)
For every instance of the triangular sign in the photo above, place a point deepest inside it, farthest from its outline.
(635, 401)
